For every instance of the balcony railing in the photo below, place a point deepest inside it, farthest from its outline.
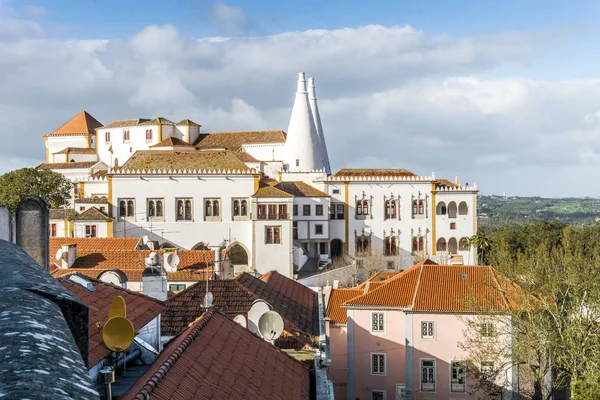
(428, 386)
(284, 216)
(457, 387)
(272, 217)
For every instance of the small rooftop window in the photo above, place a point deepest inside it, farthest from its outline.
(84, 283)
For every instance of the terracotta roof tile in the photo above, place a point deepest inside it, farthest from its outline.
(217, 358)
(63, 213)
(92, 214)
(267, 182)
(300, 189)
(335, 312)
(81, 124)
(235, 140)
(172, 142)
(187, 122)
(85, 245)
(290, 288)
(68, 165)
(366, 172)
(124, 123)
(446, 183)
(141, 310)
(184, 159)
(380, 276)
(157, 121)
(76, 150)
(246, 157)
(270, 191)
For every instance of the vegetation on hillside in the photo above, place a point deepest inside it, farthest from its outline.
(51, 186)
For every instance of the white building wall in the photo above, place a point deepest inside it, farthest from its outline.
(95, 188)
(62, 227)
(265, 152)
(57, 143)
(101, 228)
(123, 150)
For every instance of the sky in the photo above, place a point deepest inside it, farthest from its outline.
(503, 94)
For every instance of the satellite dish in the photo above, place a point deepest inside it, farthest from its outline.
(270, 325)
(208, 300)
(259, 307)
(118, 334)
(117, 308)
(59, 254)
(173, 260)
(240, 319)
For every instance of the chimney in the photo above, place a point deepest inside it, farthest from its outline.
(457, 180)
(218, 266)
(154, 278)
(322, 146)
(301, 151)
(69, 255)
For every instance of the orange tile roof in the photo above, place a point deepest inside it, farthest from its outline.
(81, 124)
(68, 165)
(380, 276)
(443, 288)
(335, 312)
(184, 159)
(187, 122)
(290, 288)
(140, 311)
(216, 358)
(300, 189)
(92, 214)
(172, 142)
(235, 140)
(446, 183)
(124, 123)
(86, 245)
(267, 182)
(92, 200)
(157, 121)
(270, 191)
(76, 150)
(366, 172)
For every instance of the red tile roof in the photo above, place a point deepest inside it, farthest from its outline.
(81, 124)
(184, 159)
(290, 288)
(335, 312)
(140, 310)
(216, 358)
(379, 277)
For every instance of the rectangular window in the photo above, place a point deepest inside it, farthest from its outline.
(332, 211)
(378, 364)
(336, 191)
(295, 210)
(318, 229)
(184, 209)
(90, 231)
(359, 263)
(458, 377)
(126, 136)
(107, 137)
(378, 395)
(297, 162)
(81, 208)
(323, 248)
(126, 208)
(391, 265)
(428, 375)
(53, 230)
(272, 211)
(262, 211)
(487, 330)
(306, 209)
(340, 211)
(149, 136)
(319, 209)
(175, 287)
(295, 230)
(487, 369)
(452, 225)
(155, 209)
(283, 211)
(377, 322)
(427, 330)
(273, 235)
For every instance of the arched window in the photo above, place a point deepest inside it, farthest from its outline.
(151, 209)
(107, 137)
(359, 209)
(421, 244)
(463, 209)
(365, 207)
(441, 245)
(389, 246)
(363, 246)
(452, 245)
(390, 209)
(394, 246)
(159, 208)
(215, 208)
(414, 208)
(441, 208)
(415, 244)
(149, 135)
(180, 214)
(463, 244)
(208, 208)
(116, 162)
(188, 210)
(130, 208)
(244, 209)
(452, 210)
(421, 207)
(122, 208)
(236, 208)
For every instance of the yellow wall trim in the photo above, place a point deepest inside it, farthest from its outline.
(81, 190)
(65, 228)
(110, 202)
(346, 216)
(433, 222)
(47, 149)
(160, 133)
(109, 229)
(256, 182)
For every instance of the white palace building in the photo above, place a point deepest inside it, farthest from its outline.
(267, 197)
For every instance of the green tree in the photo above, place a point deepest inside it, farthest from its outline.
(53, 187)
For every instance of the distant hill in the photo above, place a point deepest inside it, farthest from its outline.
(500, 210)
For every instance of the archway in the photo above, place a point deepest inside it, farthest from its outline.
(463, 209)
(452, 210)
(441, 245)
(441, 208)
(167, 245)
(452, 246)
(200, 246)
(237, 254)
(337, 248)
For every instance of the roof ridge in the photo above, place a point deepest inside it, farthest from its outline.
(504, 296)
(422, 267)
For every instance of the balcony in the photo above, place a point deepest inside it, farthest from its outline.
(428, 386)
(456, 387)
(272, 217)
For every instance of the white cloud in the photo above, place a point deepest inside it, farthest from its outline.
(229, 19)
(389, 96)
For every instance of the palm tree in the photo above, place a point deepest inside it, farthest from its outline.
(481, 242)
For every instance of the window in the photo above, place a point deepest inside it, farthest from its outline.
(378, 364)
(90, 231)
(53, 230)
(391, 265)
(283, 214)
(378, 395)
(184, 210)
(81, 208)
(336, 211)
(441, 208)
(390, 246)
(428, 375)
(452, 225)
(332, 211)
(363, 245)
(452, 210)
(340, 211)
(306, 209)
(487, 330)
(487, 369)
(273, 234)
(336, 191)
(414, 208)
(458, 377)
(272, 211)
(107, 137)
(390, 209)
(319, 209)
(463, 209)
(126, 208)
(427, 330)
(377, 322)
(360, 263)
(297, 162)
(323, 248)
(126, 136)
(212, 209)
(240, 208)
(418, 244)
(155, 209)
(103, 209)
(262, 211)
(421, 207)
(148, 135)
(295, 209)
(295, 230)
(176, 286)
(362, 207)
(318, 229)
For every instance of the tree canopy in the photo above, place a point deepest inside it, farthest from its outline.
(51, 186)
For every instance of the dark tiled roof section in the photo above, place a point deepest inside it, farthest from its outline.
(69, 165)
(63, 213)
(92, 200)
(187, 122)
(172, 142)
(367, 172)
(290, 288)
(300, 189)
(216, 358)
(246, 157)
(270, 191)
(157, 121)
(140, 310)
(92, 214)
(446, 183)
(184, 159)
(124, 123)
(76, 150)
(81, 124)
(235, 140)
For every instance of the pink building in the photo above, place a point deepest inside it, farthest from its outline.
(400, 340)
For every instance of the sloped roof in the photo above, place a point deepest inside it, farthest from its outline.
(335, 312)
(270, 191)
(300, 189)
(267, 182)
(430, 287)
(380, 276)
(68, 165)
(184, 159)
(62, 213)
(172, 142)
(217, 358)
(290, 288)
(235, 140)
(92, 200)
(141, 309)
(92, 214)
(446, 183)
(246, 157)
(157, 121)
(187, 122)
(76, 150)
(81, 124)
(124, 123)
(86, 245)
(366, 172)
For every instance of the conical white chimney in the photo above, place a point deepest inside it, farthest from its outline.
(301, 150)
(312, 101)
